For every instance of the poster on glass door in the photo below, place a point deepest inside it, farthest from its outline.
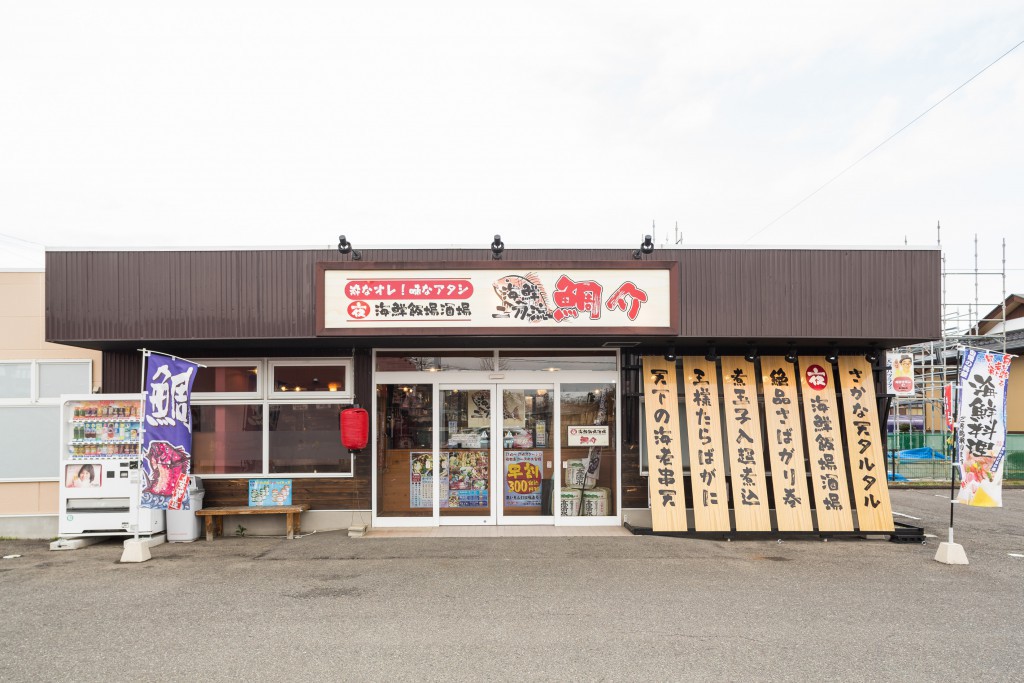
(421, 479)
(465, 477)
(522, 478)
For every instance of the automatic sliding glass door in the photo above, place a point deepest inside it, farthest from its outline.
(465, 460)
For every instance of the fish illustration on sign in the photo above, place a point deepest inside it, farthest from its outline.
(522, 297)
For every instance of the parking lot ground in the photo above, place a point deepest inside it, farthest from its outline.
(328, 607)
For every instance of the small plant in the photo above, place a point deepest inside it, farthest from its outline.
(240, 531)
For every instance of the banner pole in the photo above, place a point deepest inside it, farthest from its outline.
(955, 464)
(142, 438)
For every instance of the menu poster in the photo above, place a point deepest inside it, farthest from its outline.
(522, 478)
(421, 479)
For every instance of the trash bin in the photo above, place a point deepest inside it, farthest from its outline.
(183, 526)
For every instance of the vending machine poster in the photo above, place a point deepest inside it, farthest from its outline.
(522, 478)
(167, 432)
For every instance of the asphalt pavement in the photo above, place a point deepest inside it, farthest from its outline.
(332, 608)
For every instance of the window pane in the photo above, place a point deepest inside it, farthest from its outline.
(305, 438)
(309, 378)
(227, 439)
(31, 447)
(64, 378)
(16, 380)
(233, 379)
(433, 361)
(405, 445)
(552, 360)
(590, 406)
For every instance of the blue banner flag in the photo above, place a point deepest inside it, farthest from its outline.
(167, 432)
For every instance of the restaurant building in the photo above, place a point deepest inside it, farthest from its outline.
(503, 386)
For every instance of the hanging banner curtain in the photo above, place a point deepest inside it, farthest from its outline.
(167, 432)
(981, 427)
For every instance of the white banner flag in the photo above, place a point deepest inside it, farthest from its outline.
(981, 427)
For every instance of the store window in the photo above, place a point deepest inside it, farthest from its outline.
(329, 380)
(243, 425)
(305, 438)
(241, 379)
(227, 439)
(16, 380)
(405, 443)
(30, 394)
(588, 431)
(435, 361)
(43, 381)
(555, 361)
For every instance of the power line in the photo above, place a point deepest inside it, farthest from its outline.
(11, 238)
(876, 147)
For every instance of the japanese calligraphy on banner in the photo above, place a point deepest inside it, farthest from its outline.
(825, 444)
(785, 444)
(664, 445)
(503, 297)
(981, 427)
(864, 442)
(743, 426)
(707, 458)
(167, 432)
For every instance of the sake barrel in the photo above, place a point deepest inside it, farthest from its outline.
(597, 502)
(569, 502)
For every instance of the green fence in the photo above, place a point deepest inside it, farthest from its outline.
(939, 470)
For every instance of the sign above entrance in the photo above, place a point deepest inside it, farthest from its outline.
(498, 298)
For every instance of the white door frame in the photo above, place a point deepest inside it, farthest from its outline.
(497, 380)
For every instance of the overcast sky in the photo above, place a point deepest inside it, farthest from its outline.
(561, 123)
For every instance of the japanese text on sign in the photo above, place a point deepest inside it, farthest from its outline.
(663, 436)
(597, 298)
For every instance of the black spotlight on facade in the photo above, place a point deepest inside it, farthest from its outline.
(497, 246)
(871, 356)
(670, 354)
(833, 355)
(791, 354)
(751, 354)
(345, 247)
(712, 354)
(646, 247)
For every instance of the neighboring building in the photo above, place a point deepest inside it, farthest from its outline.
(428, 340)
(1013, 328)
(33, 375)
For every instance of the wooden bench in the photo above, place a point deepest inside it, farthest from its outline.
(215, 517)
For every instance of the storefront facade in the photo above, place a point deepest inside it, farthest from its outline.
(492, 384)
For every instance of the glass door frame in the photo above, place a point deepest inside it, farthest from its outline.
(465, 520)
(496, 381)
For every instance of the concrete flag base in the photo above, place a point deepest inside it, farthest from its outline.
(137, 549)
(951, 553)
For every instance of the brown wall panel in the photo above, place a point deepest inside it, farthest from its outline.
(104, 299)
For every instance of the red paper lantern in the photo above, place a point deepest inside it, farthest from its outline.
(355, 428)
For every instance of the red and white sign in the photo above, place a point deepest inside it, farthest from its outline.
(588, 435)
(947, 407)
(505, 296)
(817, 379)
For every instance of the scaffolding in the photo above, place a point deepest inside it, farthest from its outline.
(918, 421)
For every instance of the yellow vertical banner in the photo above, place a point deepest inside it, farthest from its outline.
(826, 454)
(743, 428)
(785, 444)
(707, 459)
(664, 445)
(864, 443)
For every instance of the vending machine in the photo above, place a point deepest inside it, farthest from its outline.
(99, 468)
